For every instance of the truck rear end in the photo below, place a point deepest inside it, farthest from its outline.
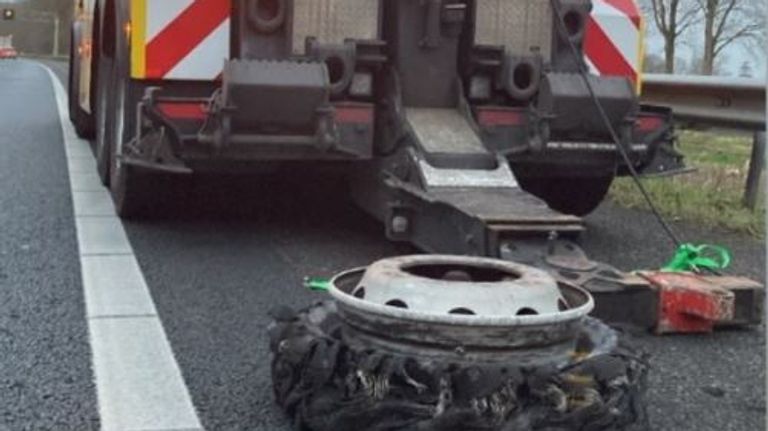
(187, 86)
(7, 51)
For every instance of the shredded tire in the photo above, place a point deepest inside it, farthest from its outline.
(324, 384)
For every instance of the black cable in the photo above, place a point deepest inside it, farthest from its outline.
(604, 116)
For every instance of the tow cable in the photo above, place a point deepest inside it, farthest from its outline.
(697, 258)
(688, 257)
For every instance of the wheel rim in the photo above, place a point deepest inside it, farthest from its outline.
(433, 315)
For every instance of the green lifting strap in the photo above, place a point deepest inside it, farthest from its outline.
(694, 258)
(317, 284)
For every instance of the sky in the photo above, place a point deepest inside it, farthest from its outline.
(735, 54)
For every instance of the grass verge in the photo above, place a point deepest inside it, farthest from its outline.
(713, 195)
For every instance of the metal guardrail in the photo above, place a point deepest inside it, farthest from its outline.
(738, 103)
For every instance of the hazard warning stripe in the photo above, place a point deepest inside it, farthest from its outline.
(189, 39)
(604, 55)
(614, 43)
(176, 41)
(207, 59)
(619, 28)
(163, 14)
(628, 8)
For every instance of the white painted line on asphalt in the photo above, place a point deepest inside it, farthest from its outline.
(92, 203)
(77, 151)
(102, 236)
(81, 165)
(115, 297)
(130, 402)
(85, 182)
(138, 382)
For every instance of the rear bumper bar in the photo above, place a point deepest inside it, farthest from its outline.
(182, 135)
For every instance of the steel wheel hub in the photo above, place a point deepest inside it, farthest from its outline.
(469, 308)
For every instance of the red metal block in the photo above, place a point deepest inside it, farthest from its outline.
(692, 303)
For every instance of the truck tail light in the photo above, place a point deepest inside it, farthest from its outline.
(354, 113)
(498, 116)
(647, 123)
(183, 110)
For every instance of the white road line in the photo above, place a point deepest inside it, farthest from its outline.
(138, 382)
(92, 203)
(85, 182)
(101, 236)
(81, 165)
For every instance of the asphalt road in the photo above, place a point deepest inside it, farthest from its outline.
(225, 250)
(45, 373)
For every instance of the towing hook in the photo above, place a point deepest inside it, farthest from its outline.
(267, 16)
(522, 76)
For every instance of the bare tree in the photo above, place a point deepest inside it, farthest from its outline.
(672, 19)
(746, 71)
(653, 63)
(727, 22)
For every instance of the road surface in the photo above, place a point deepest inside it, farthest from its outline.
(225, 250)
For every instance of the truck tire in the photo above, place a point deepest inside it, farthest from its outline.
(325, 384)
(127, 184)
(577, 196)
(103, 107)
(81, 120)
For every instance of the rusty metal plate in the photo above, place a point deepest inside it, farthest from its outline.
(690, 303)
(519, 25)
(333, 21)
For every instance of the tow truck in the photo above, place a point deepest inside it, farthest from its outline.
(480, 131)
(468, 127)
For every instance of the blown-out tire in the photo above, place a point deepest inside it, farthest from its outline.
(574, 196)
(81, 120)
(324, 384)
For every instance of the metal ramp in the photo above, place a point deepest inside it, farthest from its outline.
(460, 174)
(447, 141)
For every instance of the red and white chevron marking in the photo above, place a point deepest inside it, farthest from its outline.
(613, 43)
(186, 39)
(189, 39)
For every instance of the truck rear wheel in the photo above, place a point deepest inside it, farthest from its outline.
(129, 193)
(574, 196)
(81, 120)
(103, 118)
